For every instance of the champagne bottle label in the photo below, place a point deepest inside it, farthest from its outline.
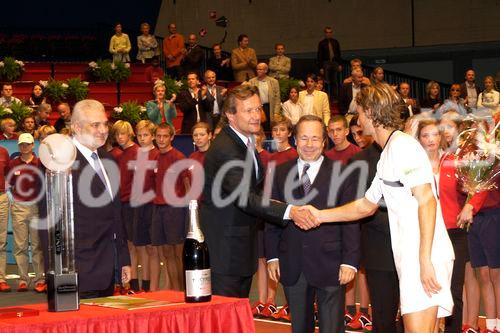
(198, 283)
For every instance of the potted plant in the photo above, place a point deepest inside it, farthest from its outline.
(172, 85)
(286, 85)
(17, 111)
(56, 91)
(121, 71)
(77, 89)
(107, 71)
(130, 111)
(11, 69)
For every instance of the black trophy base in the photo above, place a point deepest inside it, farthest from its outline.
(62, 292)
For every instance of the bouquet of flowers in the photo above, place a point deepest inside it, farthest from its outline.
(131, 112)
(478, 153)
(11, 69)
(172, 85)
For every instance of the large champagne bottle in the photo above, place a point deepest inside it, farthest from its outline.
(196, 261)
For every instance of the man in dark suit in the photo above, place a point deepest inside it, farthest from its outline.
(469, 90)
(194, 56)
(232, 198)
(99, 238)
(319, 262)
(329, 61)
(216, 95)
(193, 103)
(376, 253)
(349, 91)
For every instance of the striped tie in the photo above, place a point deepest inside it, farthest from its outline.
(306, 182)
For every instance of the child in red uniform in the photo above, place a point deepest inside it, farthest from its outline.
(202, 135)
(124, 135)
(169, 222)
(8, 127)
(338, 130)
(141, 200)
(26, 182)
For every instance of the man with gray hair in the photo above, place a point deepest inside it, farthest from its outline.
(99, 236)
(269, 91)
(350, 90)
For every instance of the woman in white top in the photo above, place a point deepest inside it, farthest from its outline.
(422, 250)
(292, 108)
(489, 98)
(454, 101)
(147, 45)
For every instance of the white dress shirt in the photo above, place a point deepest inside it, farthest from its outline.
(263, 91)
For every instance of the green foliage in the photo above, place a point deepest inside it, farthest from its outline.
(107, 71)
(173, 86)
(17, 111)
(56, 91)
(77, 89)
(11, 69)
(121, 71)
(130, 111)
(286, 85)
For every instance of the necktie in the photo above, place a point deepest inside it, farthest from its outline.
(330, 50)
(98, 169)
(251, 148)
(306, 182)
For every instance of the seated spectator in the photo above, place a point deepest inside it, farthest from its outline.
(8, 127)
(220, 64)
(361, 139)
(193, 103)
(154, 72)
(313, 101)
(269, 92)
(64, 120)
(173, 50)
(36, 97)
(7, 99)
(489, 98)
(348, 92)
(338, 130)
(412, 103)
(280, 65)
(44, 131)
(28, 125)
(119, 45)
(432, 99)
(377, 75)
(161, 110)
(469, 90)
(292, 108)
(194, 56)
(25, 189)
(147, 45)
(42, 115)
(357, 64)
(243, 60)
(453, 102)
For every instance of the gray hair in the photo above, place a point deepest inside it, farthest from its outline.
(81, 108)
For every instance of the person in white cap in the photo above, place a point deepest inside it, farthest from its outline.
(25, 180)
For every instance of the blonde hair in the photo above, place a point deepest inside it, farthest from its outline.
(382, 105)
(44, 131)
(122, 126)
(5, 122)
(146, 124)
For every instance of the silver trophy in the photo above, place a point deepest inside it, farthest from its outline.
(58, 153)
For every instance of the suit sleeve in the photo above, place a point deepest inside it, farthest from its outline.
(236, 61)
(186, 102)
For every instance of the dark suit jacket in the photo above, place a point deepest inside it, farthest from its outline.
(95, 229)
(210, 100)
(376, 250)
(231, 230)
(346, 97)
(463, 90)
(316, 253)
(324, 54)
(193, 60)
(222, 72)
(187, 104)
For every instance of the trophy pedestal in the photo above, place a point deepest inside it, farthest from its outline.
(62, 292)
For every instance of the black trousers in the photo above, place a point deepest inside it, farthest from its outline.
(267, 124)
(99, 293)
(331, 303)
(384, 296)
(231, 285)
(458, 237)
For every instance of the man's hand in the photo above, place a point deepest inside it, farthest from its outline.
(204, 91)
(126, 274)
(346, 274)
(225, 62)
(273, 269)
(303, 218)
(428, 278)
(465, 216)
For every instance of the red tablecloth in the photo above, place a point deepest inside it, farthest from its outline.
(222, 314)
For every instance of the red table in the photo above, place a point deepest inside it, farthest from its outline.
(222, 314)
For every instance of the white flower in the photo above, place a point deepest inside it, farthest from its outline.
(118, 109)
(19, 62)
(159, 82)
(142, 109)
(178, 83)
(64, 85)
(93, 64)
(1, 63)
(43, 83)
(113, 66)
(7, 110)
(85, 83)
(302, 84)
(127, 65)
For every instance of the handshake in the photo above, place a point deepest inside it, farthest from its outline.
(305, 217)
